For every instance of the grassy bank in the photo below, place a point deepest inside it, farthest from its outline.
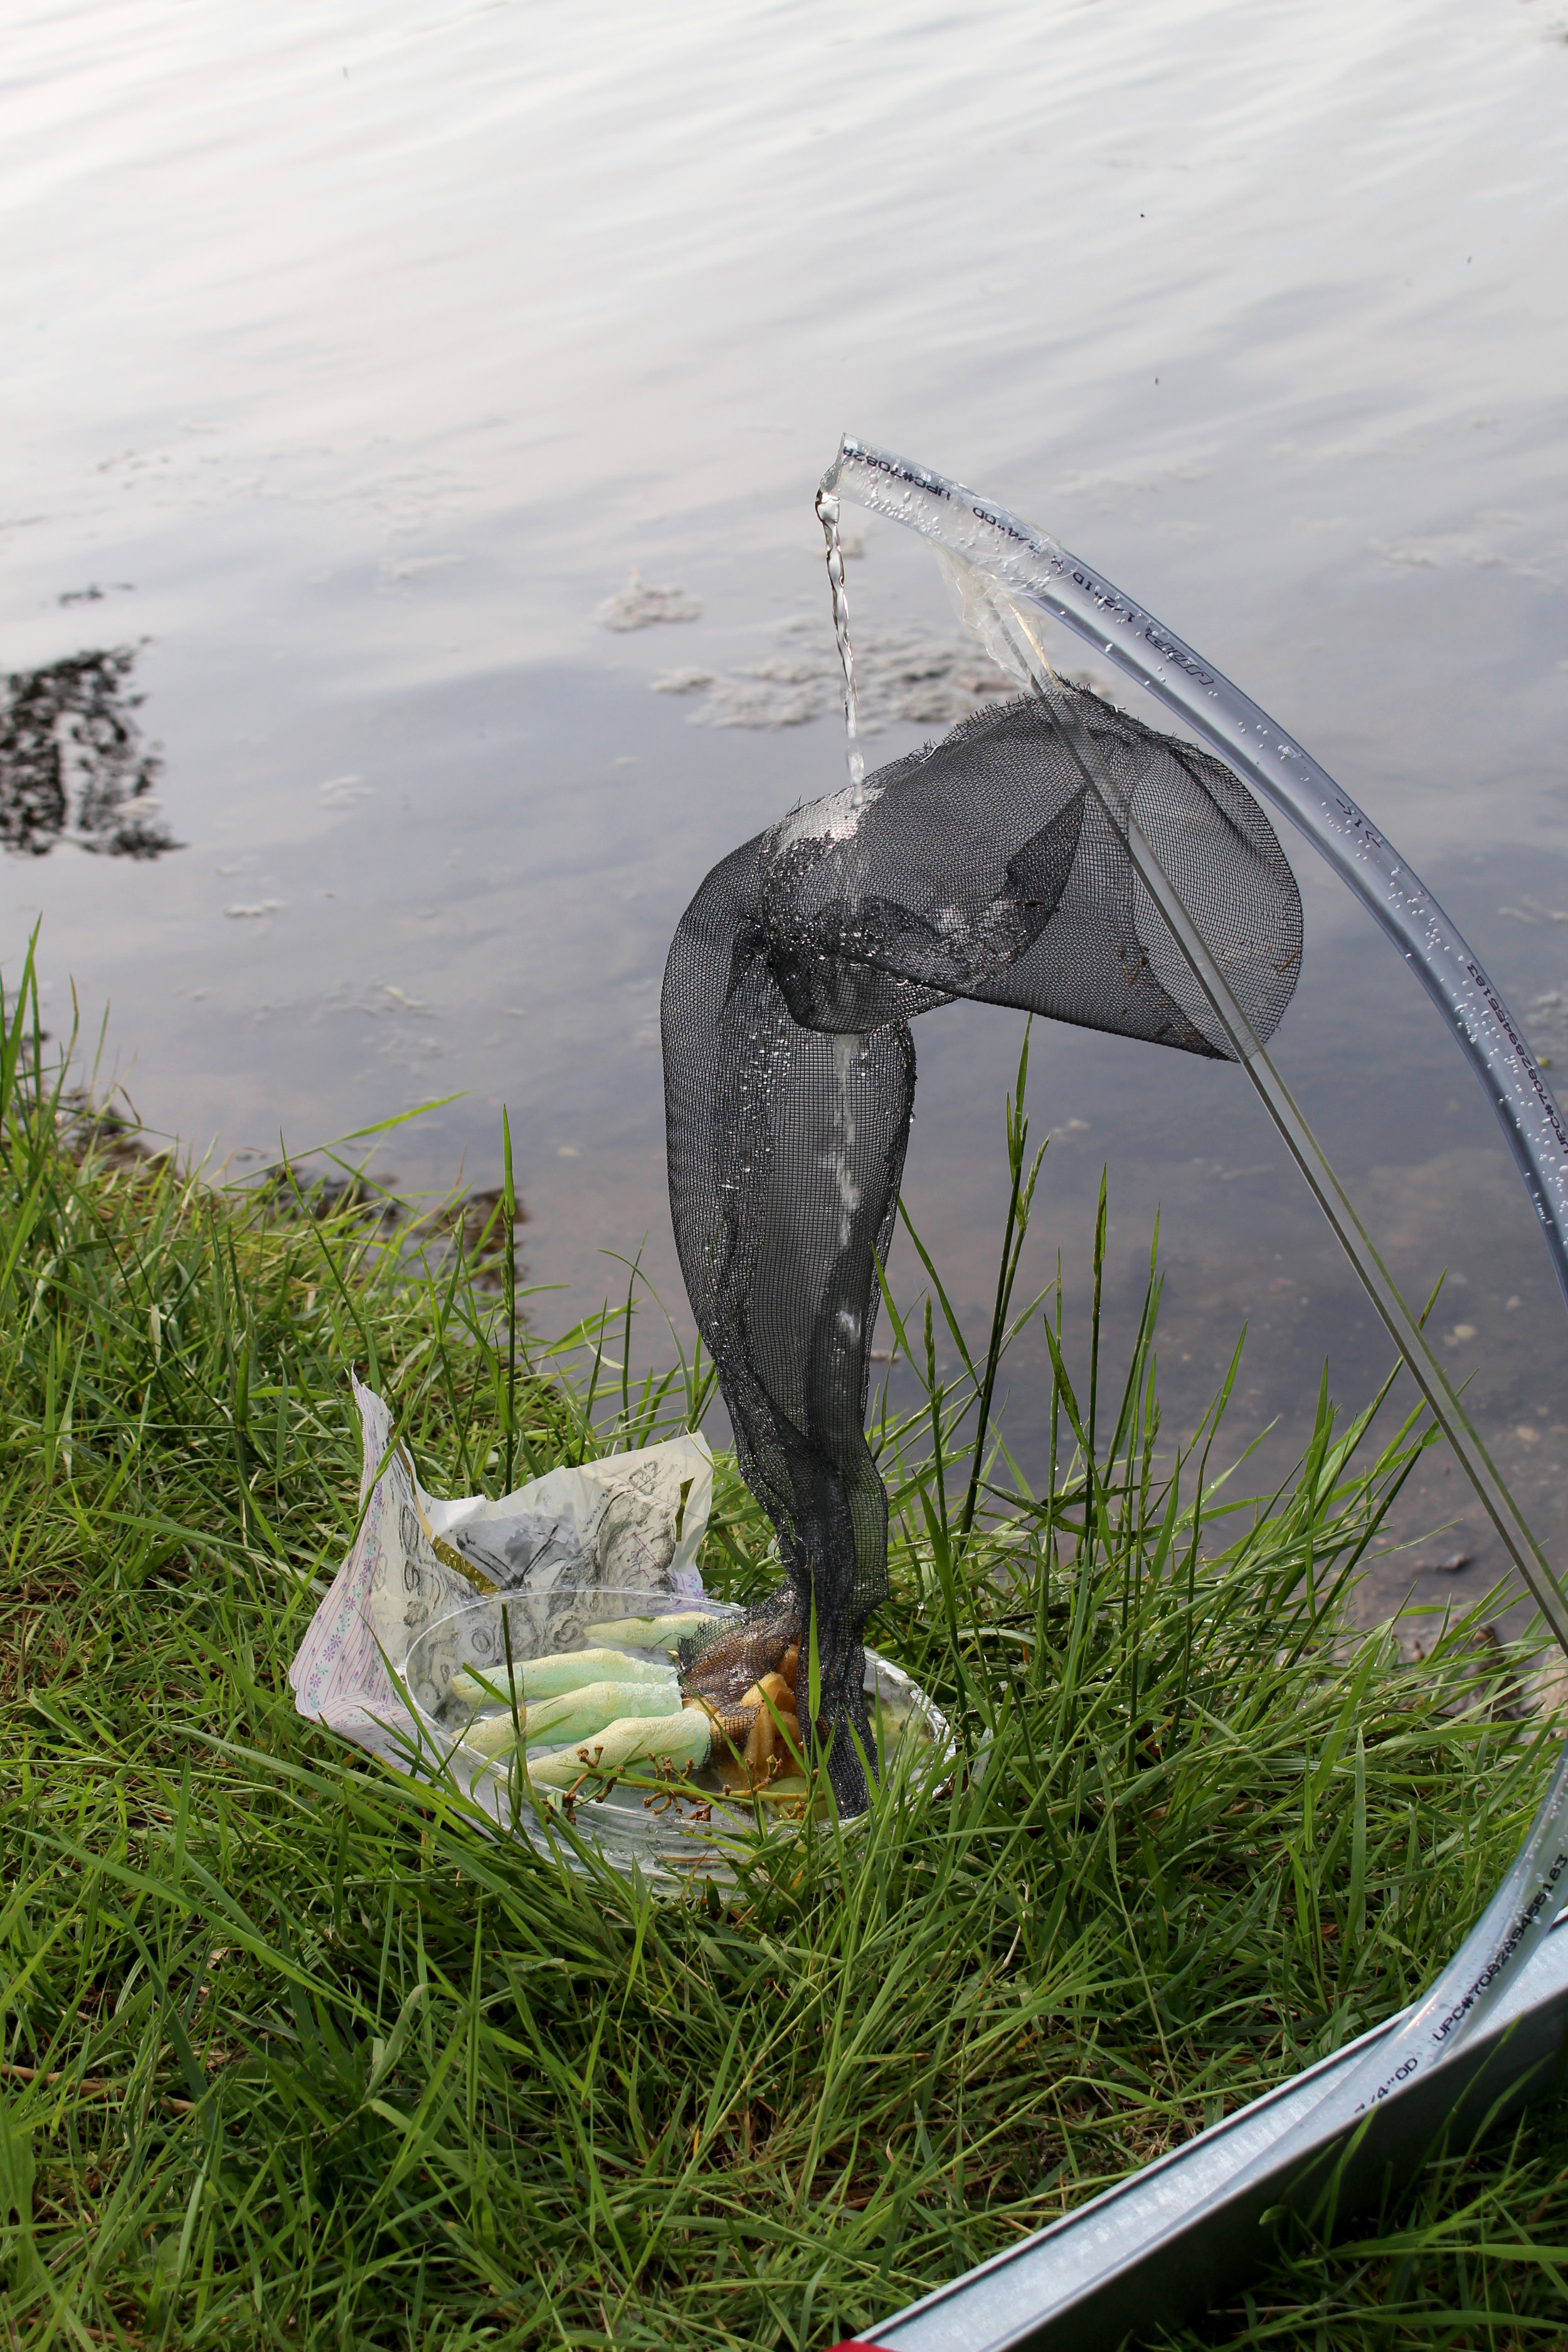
(294, 2056)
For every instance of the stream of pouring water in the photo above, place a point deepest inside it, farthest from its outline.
(828, 512)
(848, 1046)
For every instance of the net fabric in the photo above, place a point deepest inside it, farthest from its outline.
(986, 865)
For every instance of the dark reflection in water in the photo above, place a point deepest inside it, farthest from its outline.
(72, 763)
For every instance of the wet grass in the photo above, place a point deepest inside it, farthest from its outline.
(294, 2055)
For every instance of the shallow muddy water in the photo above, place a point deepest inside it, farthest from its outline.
(358, 358)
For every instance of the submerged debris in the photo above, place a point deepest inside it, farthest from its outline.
(471, 1224)
(89, 1129)
(901, 677)
(638, 606)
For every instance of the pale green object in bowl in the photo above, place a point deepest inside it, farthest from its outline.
(455, 1683)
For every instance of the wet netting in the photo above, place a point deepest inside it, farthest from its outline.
(984, 866)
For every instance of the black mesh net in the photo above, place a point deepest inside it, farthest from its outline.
(983, 866)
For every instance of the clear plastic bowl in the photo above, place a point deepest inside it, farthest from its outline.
(666, 1837)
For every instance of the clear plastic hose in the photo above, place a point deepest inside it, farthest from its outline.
(1004, 574)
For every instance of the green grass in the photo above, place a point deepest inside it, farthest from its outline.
(295, 2055)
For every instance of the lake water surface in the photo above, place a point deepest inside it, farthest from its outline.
(357, 356)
